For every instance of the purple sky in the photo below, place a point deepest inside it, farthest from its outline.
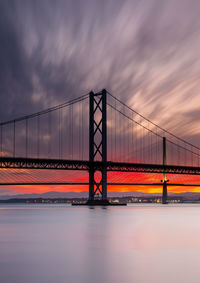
(145, 52)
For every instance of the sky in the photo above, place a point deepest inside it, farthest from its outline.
(145, 52)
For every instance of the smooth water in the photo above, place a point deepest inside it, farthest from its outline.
(140, 243)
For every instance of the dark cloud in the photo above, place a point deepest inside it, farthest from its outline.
(145, 52)
(15, 84)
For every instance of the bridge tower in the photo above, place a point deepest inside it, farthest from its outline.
(164, 193)
(97, 147)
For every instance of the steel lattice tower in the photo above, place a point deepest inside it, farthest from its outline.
(97, 144)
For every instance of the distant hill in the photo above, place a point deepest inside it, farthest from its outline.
(51, 195)
(70, 195)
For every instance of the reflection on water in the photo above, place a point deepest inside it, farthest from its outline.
(116, 244)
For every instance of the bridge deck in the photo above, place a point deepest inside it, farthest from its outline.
(63, 164)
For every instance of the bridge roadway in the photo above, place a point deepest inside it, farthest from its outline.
(63, 164)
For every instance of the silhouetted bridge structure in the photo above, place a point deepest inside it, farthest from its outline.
(112, 138)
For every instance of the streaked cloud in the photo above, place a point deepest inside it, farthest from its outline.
(145, 52)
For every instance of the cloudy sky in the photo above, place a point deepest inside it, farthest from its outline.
(145, 52)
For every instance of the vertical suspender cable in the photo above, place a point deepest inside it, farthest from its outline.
(131, 150)
(125, 154)
(115, 134)
(68, 132)
(26, 137)
(72, 132)
(79, 132)
(143, 145)
(172, 147)
(149, 146)
(141, 138)
(38, 135)
(185, 154)
(14, 139)
(191, 155)
(120, 147)
(178, 154)
(59, 133)
(82, 137)
(124, 138)
(128, 141)
(1, 141)
(111, 125)
(136, 145)
(156, 147)
(151, 155)
(49, 134)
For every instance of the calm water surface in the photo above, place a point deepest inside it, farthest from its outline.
(58, 243)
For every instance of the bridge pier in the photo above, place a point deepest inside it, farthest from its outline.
(164, 193)
(91, 183)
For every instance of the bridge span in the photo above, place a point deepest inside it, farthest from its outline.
(112, 138)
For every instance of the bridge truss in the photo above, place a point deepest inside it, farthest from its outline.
(57, 164)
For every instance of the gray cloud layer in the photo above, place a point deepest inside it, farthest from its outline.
(145, 52)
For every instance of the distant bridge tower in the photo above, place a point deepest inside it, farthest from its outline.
(164, 193)
(97, 146)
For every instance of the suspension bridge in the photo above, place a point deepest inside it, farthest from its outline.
(100, 136)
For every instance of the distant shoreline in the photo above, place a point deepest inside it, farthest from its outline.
(131, 199)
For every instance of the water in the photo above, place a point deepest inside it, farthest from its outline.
(58, 243)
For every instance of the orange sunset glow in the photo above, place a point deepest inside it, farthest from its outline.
(58, 176)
